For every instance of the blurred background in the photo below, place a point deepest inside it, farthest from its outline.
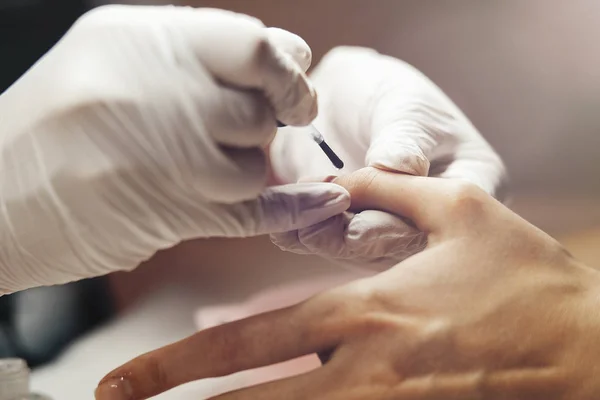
(527, 73)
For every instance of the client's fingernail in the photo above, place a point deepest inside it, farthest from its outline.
(114, 389)
(328, 178)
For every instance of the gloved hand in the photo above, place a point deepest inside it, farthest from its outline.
(380, 112)
(144, 127)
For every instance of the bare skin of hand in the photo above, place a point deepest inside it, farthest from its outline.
(493, 309)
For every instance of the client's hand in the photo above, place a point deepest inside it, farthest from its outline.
(492, 309)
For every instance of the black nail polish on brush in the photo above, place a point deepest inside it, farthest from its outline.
(318, 138)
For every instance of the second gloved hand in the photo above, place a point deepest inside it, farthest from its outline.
(377, 111)
(144, 127)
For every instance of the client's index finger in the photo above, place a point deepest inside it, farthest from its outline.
(420, 199)
(254, 342)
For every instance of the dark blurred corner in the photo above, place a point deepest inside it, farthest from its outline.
(28, 28)
(38, 324)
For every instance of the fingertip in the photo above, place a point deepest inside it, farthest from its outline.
(292, 45)
(358, 184)
(296, 206)
(330, 198)
(114, 389)
(296, 56)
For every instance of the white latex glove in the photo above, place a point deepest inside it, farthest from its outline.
(144, 127)
(378, 111)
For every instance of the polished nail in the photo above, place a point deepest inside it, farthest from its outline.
(114, 389)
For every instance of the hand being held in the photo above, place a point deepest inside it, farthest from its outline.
(378, 111)
(493, 308)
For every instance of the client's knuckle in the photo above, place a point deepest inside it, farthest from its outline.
(465, 199)
(338, 304)
(357, 309)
